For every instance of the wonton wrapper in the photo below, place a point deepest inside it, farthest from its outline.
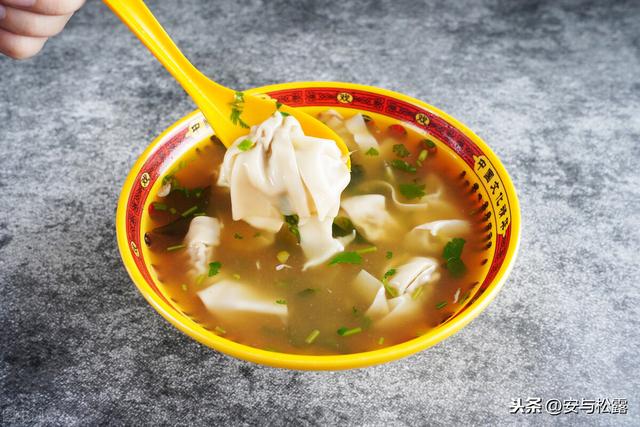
(370, 217)
(201, 239)
(431, 237)
(235, 301)
(287, 173)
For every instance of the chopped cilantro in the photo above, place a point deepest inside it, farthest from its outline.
(214, 268)
(389, 255)
(402, 165)
(284, 114)
(278, 105)
(453, 249)
(372, 152)
(456, 267)
(441, 304)
(346, 258)
(342, 226)
(237, 106)
(390, 273)
(401, 150)
(292, 224)
(412, 191)
(345, 332)
(451, 253)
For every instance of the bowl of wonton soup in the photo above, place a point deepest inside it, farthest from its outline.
(476, 172)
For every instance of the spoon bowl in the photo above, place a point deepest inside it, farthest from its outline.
(230, 113)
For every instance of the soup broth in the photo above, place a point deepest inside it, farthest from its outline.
(325, 311)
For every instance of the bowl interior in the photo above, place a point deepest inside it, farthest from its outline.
(481, 174)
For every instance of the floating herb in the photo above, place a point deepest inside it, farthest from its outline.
(237, 236)
(189, 211)
(312, 336)
(237, 105)
(246, 145)
(401, 150)
(412, 191)
(160, 206)
(389, 273)
(441, 304)
(346, 258)
(452, 253)
(423, 155)
(220, 330)
(214, 268)
(184, 287)
(367, 250)
(236, 276)
(292, 224)
(389, 255)
(416, 294)
(380, 340)
(281, 301)
(428, 143)
(372, 152)
(402, 165)
(284, 114)
(199, 279)
(345, 332)
(175, 248)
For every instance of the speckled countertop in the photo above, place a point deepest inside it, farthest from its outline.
(553, 87)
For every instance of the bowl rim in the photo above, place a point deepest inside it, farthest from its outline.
(324, 362)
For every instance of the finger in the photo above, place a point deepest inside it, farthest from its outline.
(25, 23)
(46, 7)
(20, 47)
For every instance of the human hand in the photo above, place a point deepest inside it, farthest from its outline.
(25, 25)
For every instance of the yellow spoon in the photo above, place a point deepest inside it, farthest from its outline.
(229, 113)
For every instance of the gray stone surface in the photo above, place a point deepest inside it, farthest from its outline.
(552, 86)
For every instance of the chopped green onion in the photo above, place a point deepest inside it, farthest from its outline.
(199, 279)
(281, 301)
(345, 332)
(237, 236)
(175, 248)
(189, 211)
(346, 258)
(416, 294)
(441, 304)
(236, 276)
(423, 155)
(453, 248)
(214, 268)
(160, 206)
(312, 336)
(401, 150)
(380, 340)
(367, 250)
(389, 273)
(173, 211)
(184, 287)
(391, 291)
(428, 143)
(372, 152)
(246, 145)
(282, 256)
(389, 255)
(199, 214)
(220, 330)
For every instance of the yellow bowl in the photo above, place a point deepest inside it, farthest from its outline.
(480, 171)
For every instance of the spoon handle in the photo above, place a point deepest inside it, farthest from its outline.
(207, 94)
